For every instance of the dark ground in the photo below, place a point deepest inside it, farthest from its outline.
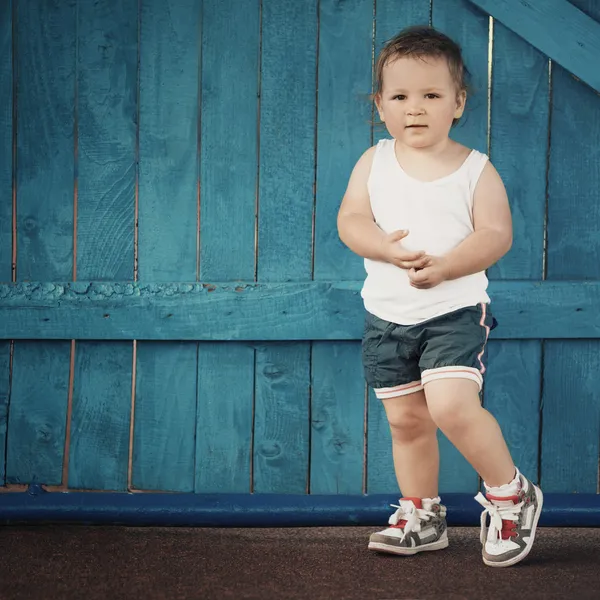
(79, 562)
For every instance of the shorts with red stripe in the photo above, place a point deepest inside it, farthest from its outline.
(401, 359)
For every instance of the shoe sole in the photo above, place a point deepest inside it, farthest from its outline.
(515, 559)
(388, 549)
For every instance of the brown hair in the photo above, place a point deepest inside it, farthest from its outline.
(422, 42)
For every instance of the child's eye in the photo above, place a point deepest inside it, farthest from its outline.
(399, 97)
(431, 96)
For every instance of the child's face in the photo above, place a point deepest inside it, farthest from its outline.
(419, 101)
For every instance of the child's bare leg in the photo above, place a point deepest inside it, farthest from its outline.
(455, 407)
(414, 445)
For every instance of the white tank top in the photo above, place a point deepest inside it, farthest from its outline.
(439, 216)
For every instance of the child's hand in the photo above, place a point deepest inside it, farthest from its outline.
(394, 253)
(433, 273)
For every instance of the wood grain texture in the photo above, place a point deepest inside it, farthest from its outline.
(337, 419)
(6, 139)
(224, 421)
(469, 27)
(343, 125)
(519, 148)
(100, 420)
(107, 114)
(281, 418)
(168, 140)
(571, 417)
(287, 140)
(295, 311)
(229, 144)
(4, 404)
(557, 28)
(456, 474)
(38, 412)
(512, 394)
(45, 64)
(165, 415)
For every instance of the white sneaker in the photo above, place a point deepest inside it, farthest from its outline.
(417, 526)
(513, 522)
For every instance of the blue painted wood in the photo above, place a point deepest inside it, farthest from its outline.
(165, 397)
(6, 139)
(557, 28)
(4, 404)
(571, 417)
(519, 148)
(107, 114)
(259, 510)
(512, 394)
(297, 311)
(390, 18)
(574, 181)
(281, 419)
(100, 420)
(229, 137)
(168, 140)
(287, 140)
(38, 413)
(228, 196)
(469, 27)
(165, 414)
(337, 419)
(45, 63)
(224, 421)
(343, 125)
(381, 477)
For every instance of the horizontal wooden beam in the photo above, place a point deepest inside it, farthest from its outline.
(249, 311)
(556, 28)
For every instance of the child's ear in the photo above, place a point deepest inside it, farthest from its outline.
(379, 107)
(461, 100)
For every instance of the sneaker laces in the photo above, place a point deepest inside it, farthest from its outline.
(498, 513)
(411, 515)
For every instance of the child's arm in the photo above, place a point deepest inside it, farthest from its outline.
(357, 227)
(490, 241)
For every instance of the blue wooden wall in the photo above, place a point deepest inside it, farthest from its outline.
(177, 312)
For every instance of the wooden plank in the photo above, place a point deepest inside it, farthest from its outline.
(107, 114)
(228, 236)
(297, 311)
(571, 417)
(165, 393)
(6, 139)
(38, 412)
(99, 449)
(224, 421)
(4, 403)
(107, 128)
(281, 419)
(168, 142)
(557, 28)
(469, 27)
(343, 125)
(45, 64)
(512, 394)
(519, 144)
(287, 140)
(165, 415)
(337, 419)
(229, 144)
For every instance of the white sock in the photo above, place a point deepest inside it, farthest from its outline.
(508, 489)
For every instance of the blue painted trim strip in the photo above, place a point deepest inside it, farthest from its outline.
(257, 510)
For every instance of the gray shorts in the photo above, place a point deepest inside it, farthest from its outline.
(400, 359)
